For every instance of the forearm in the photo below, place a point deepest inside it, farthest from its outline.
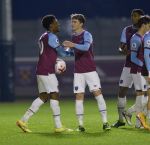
(83, 47)
(63, 53)
(135, 60)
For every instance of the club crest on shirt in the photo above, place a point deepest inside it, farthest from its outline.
(76, 88)
(133, 46)
(57, 41)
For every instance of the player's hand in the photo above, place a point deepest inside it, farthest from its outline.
(123, 49)
(68, 44)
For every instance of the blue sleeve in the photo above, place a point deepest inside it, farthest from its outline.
(123, 36)
(64, 53)
(135, 45)
(53, 40)
(147, 51)
(147, 58)
(87, 42)
(54, 43)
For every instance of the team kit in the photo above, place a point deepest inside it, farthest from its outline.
(134, 44)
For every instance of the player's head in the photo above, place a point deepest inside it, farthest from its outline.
(50, 23)
(135, 15)
(77, 21)
(144, 23)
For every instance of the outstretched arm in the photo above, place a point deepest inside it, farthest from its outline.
(87, 40)
(54, 43)
(82, 47)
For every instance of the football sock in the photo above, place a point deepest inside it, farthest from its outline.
(121, 107)
(131, 110)
(144, 101)
(33, 109)
(138, 103)
(54, 104)
(102, 107)
(148, 114)
(79, 111)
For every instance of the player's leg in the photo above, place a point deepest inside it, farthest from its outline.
(148, 105)
(148, 102)
(144, 104)
(128, 113)
(140, 87)
(79, 89)
(22, 123)
(43, 97)
(94, 84)
(54, 102)
(140, 83)
(80, 110)
(124, 83)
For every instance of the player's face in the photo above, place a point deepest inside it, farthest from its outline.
(76, 25)
(55, 26)
(147, 27)
(135, 17)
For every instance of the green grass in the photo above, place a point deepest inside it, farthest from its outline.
(42, 126)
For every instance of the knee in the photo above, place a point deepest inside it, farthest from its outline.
(44, 97)
(54, 95)
(97, 92)
(79, 96)
(139, 93)
(122, 92)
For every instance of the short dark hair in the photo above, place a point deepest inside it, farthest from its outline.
(143, 20)
(47, 20)
(79, 17)
(139, 11)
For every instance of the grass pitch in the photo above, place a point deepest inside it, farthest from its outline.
(43, 128)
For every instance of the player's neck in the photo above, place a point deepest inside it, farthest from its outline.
(141, 32)
(79, 30)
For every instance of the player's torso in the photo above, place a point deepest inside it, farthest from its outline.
(130, 30)
(84, 60)
(146, 40)
(47, 57)
(140, 53)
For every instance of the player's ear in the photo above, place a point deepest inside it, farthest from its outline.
(81, 24)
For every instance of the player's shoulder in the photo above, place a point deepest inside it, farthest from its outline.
(52, 36)
(87, 33)
(135, 36)
(129, 27)
(43, 35)
(147, 35)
